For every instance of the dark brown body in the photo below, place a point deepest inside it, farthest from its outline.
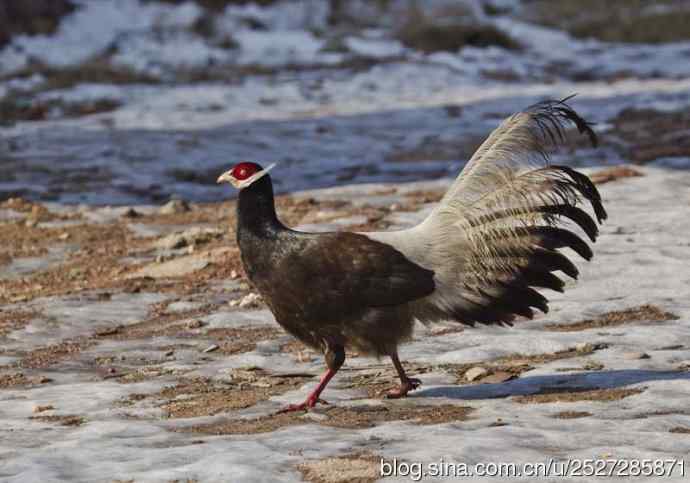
(328, 289)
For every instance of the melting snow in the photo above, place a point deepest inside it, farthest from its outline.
(646, 264)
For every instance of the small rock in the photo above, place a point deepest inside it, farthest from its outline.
(250, 300)
(635, 355)
(131, 213)
(63, 236)
(234, 274)
(475, 373)
(40, 409)
(169, 353)
(171, 242)
(195, 324)
(496, 377)
(192, 236)
(180, 306)
(589, 347)
(44, 380)
(174, 206)
(212, 348)
(583, 347)
(172, 268)
(30, 223)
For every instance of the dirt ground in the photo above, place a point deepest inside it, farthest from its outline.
(168, 360)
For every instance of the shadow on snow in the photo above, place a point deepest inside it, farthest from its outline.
(553, 384)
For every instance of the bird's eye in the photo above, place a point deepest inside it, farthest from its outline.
(243, 171)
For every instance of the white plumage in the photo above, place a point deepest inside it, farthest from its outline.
(496, 232)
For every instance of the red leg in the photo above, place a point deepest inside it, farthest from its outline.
(407, 384)
(313, 397)
(335, 356)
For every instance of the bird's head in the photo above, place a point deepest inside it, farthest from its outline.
(243, 174)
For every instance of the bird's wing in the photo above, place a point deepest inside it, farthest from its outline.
(496, 233)
(341, 273)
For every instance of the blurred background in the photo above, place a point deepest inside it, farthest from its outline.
(140, 101)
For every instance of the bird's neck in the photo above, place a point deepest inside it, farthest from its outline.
(256, 211)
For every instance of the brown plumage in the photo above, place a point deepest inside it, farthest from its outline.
(478, 256)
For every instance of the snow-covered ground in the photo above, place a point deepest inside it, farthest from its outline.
(640, 258)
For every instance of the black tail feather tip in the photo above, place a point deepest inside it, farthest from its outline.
(557, 111)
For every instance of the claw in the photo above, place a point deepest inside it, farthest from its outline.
(401, 391)
(313, 397)
(303, 406)
(294, 408)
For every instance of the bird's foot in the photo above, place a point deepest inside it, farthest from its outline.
(309, 403)
(401, 391)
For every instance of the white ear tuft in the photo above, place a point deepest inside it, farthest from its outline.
(256, 176)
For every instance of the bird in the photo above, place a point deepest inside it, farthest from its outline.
(480, 256)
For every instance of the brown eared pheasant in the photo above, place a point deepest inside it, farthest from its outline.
(476, 258)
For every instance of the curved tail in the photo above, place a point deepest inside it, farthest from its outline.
(496, 234)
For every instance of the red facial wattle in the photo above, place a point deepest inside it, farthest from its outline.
(244, 170)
